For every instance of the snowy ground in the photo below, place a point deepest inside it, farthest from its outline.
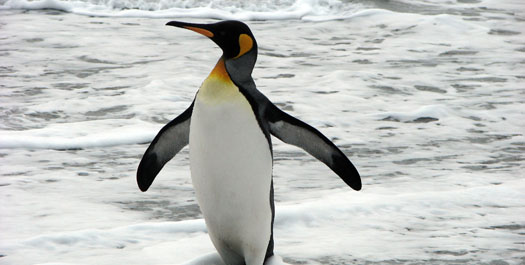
(426, 100)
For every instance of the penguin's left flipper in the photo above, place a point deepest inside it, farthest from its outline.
(295, 132)
(168, 142)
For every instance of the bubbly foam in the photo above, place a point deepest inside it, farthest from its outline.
(311, 10)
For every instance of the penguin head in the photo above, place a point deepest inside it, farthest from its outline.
(233, 37)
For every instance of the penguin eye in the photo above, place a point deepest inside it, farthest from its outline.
(222, 33)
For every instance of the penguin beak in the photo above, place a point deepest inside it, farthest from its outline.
(199, 28)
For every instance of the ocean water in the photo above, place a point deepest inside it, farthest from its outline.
(425, 97)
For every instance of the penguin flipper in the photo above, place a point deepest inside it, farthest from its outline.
(168, 142)
(295, 132)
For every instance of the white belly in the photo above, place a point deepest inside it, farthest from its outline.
(231, 168)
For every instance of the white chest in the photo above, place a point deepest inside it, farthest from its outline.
(231, 167)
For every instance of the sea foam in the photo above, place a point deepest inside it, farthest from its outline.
(75, 136)
(311, 10)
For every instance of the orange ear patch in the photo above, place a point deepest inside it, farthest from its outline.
(204, 32)
(245, 44)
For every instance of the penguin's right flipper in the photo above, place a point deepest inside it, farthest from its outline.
(168, 142)
(295, 132)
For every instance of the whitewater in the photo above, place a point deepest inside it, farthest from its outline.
(425, 97)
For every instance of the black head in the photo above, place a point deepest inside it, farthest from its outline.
(233, 37)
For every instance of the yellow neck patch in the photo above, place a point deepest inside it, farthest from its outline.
(219, 72)
(245, 44)
(218, 87)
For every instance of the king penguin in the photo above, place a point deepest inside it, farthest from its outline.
(228, 128)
